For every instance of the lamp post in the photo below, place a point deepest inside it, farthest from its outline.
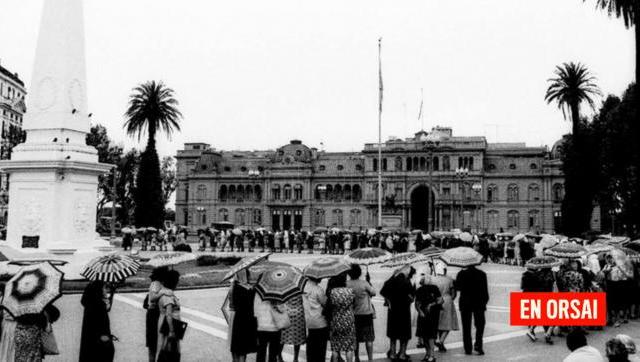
(113, 205)
(430, 146)
(477, 188)
(461, 175)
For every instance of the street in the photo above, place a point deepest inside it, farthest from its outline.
(206, 336)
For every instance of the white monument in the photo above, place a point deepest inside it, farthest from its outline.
(53, 176)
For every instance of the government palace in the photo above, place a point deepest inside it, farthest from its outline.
(431, 181)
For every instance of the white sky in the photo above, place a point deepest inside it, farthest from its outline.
(253, 74)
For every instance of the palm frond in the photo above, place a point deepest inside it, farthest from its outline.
(572, 85)
(624, 9)
(152, 107)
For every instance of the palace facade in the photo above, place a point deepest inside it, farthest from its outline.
(431, 181)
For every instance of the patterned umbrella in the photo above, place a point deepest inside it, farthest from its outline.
(368, 256)
(432, 251)
(466, 237)
(408, 258)
(256, 271)
(326, 268)
(280, 284)
(542, 262)
(461, 256)
(245, 263)
(32, 289)
(111, 268)
(598, 247)
(548, 241)
(566, 250)
(226, 309)
(171, 258)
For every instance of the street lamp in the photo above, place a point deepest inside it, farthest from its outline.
(430, 146)
(477, 188)
(461, 174)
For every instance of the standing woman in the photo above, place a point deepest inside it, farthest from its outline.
(364, 312)
(96, 342)
(428, 305)
(7, 334)
(169, 305)
(153, 313)
(342, 329)
(398, 293)
(296, 334)
(448, 320)
(29, 334)
(268, 332)
(244, 334)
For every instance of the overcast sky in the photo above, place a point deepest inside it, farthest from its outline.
(253, 74)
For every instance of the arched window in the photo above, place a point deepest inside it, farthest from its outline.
(275, 192)
(423, 163)
(319, 192)
(297, 192)
(239, 217)
(287, 192)
(492, 193)
(258, 192)
(436, 164)
(357, 193)
(416, 164)
(201, 192)
(329, 191)
(492, 222)
(384, 164)
(257, 217)
(558, 192)
(232, 192)
(397, 166)
(470, 163)
(446, 164)
(534, 192)
(338, 219)
(240, 192)
(337, 193)
(375, 164)
(534, 220)
(513, 221)
(512, 193)
(223, 215)
(460, 162)
(533, 166)
(355, 218)
(408, 164)
(347, 192)
(222, 193)
(248, 192)
(318, 218)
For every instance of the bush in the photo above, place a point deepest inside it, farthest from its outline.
(211, 260)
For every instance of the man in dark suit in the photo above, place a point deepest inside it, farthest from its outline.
(474, 296)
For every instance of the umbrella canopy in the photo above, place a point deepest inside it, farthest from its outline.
(151, 229)
(432, 251)
(632, 254)
(326, 268)
(261, 229)
(416, 231)
(461, 256)
(519, 237)
(548, 241)
(542, 262)
(466, 237)
(171, 258)
(110, 268)
(280, 284)
(566, 250)
(320, 229)
(127, 230)
(367, 256)
(256, 271)
(372, 232)
(598, 247)
(408, 258)
(236, 231)
(245, 263)
(32, 289)
(634, 245)
(335, 230)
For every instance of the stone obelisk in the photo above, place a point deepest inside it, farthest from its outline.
(53, 175)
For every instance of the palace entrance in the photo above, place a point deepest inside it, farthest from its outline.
(420, 212)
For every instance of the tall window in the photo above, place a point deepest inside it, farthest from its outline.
(223, 215)
(337, 192)
(423, 164)
(318, 218)
(436, 164)
(408, 164)
(384, 164)
(375, 164)
(248, 192)
(398, 164)
(329, 192)
(232, 192)
(297, 192)
(275, 192)
(513, 219)
(347, 193)
(258, 192)
(201, 192)
(357, 193)
(534, 192)
(240, 193)
(512, 193)
(287, 192)
(558, 192)
(240, 220)
(492, 193)
(257, 217)
(534, 219)
(338, 218)
(446, 164)
(492, 221)
(222, 193)
(203, 217)
(319, 192)
(355, 217)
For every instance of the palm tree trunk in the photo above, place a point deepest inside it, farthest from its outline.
(575, 120)
(151, 138)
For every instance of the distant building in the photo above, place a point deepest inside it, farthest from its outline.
(12, 105)
(472, 184)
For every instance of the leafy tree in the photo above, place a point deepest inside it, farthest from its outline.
(169, 179)
(152, 108)
(11, 137)
(107, 153)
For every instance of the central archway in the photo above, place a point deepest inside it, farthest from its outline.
(420, 212)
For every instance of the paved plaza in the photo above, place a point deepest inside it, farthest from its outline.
(206, 339)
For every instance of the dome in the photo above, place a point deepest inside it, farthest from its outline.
(295, 151)
(556, 150)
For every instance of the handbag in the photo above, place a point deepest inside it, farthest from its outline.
(281, 319)
(179, 327)
(49, 344)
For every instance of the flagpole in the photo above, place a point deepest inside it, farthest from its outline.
(379, 132)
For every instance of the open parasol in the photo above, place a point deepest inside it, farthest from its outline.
(236, 231)
(542, 262)
(634, 245)
(407, 258)
(326, 268)
(127, 230)
(320, 229)
(631, 254)
(110, 268)
(280, 284)
(32, 289)
(598, 247)
(566, 250)
(367, 256)
(548, 241)
(151, 229)
(466, 237)
(461, 256)
(171, 258)
(245, 263)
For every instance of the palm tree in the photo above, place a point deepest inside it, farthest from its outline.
(152, 108)
(572, 86)
(628, 10)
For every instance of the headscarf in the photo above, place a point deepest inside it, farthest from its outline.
(628, 342)
(94, 296)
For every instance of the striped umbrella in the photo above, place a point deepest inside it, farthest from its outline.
(245, 263)
(280, 284)
(368, 256)
(461, 256)
(111, 268)
(566, 250)
(326, 268)
(542, 262)
(32, 289)
(432, 251)
(408, 258)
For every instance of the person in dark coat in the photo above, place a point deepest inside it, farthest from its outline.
(127, 241)
(474, 296)
(538, 280)
(244, 336)
(96, 344)
(398, 293)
